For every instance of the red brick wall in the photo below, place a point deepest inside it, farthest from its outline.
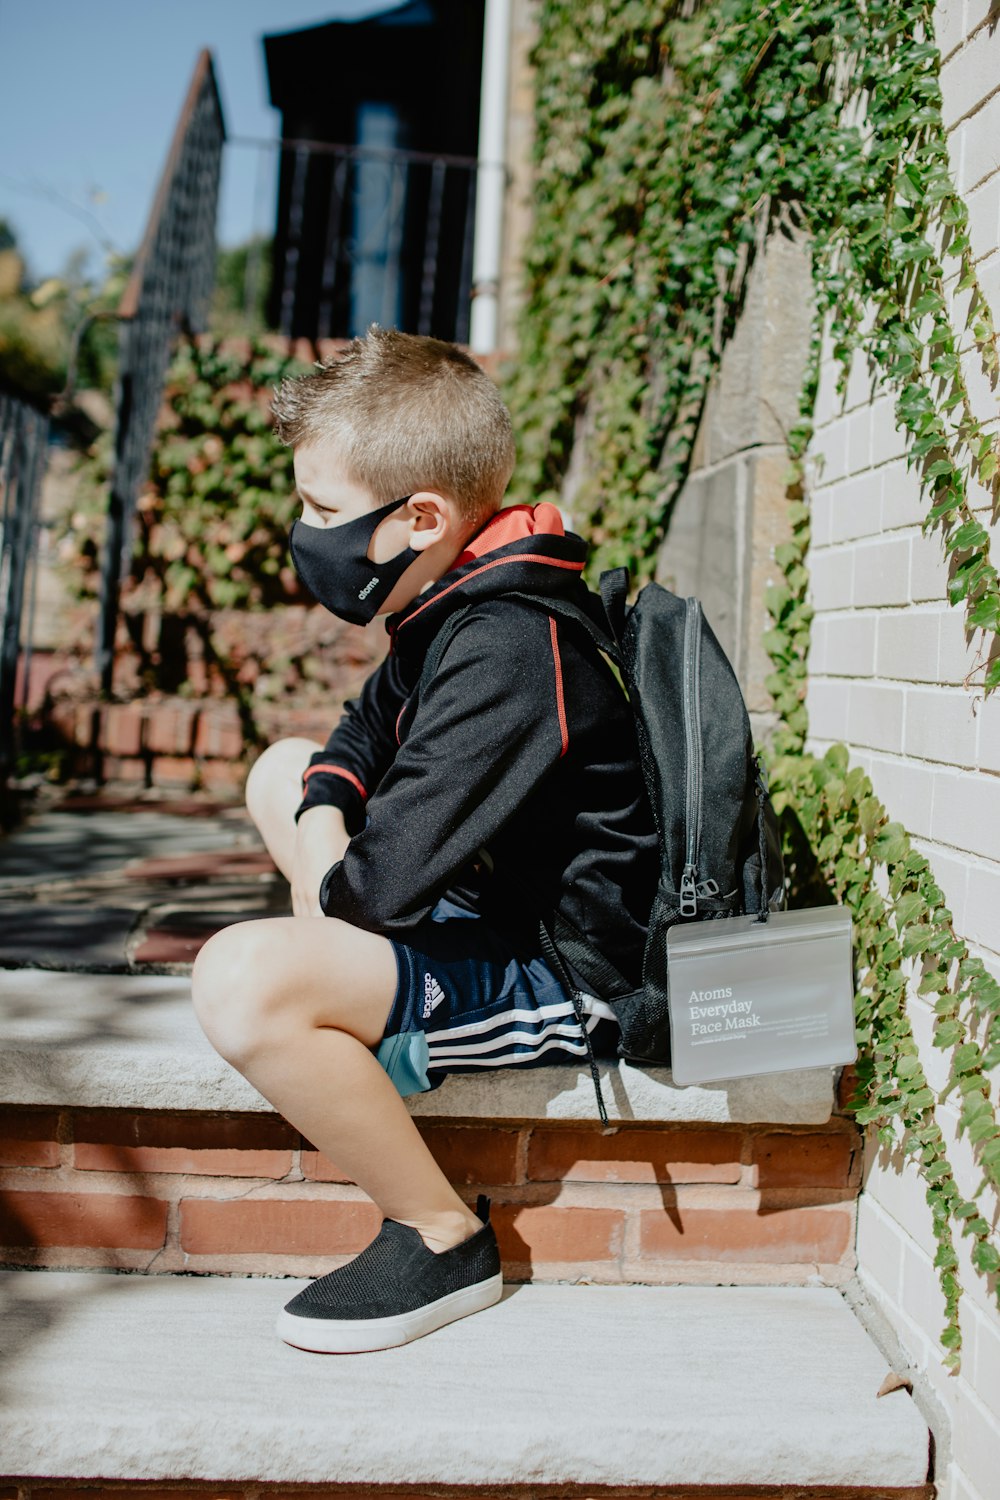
(198, 740)
(244, 1193)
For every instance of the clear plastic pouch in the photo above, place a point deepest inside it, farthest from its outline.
(752, 997)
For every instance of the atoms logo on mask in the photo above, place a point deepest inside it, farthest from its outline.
(368, 587)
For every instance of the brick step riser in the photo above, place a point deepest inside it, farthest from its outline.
(243, 1193)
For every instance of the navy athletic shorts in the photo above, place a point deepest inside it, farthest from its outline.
(465, 1002)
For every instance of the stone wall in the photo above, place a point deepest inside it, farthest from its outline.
(887, 670)
(518, 197)
(730, 514)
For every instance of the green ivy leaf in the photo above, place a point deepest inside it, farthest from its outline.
(892, 844)
(986, 1258)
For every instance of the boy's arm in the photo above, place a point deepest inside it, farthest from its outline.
(320, 838)
(488, 728)
(345, 773)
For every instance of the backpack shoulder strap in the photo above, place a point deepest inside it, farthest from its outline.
(564, 609)
(605, 641)
(614, 595)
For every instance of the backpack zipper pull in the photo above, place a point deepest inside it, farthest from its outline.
(689, 892)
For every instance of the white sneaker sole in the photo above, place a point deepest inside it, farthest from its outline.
(358, 1335)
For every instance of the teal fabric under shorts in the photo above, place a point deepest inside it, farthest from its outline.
(465, 1001)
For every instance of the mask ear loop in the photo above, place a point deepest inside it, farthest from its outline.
(383, 513)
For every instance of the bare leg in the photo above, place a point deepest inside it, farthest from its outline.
(273, 793)
(298, 1005)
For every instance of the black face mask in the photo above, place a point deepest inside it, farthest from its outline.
(334, 565)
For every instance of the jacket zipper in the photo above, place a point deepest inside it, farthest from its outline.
(692, 744)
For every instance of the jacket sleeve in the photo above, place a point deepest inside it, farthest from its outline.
(361, 747)
(487, 729)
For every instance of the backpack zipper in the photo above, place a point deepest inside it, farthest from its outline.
(692, 743)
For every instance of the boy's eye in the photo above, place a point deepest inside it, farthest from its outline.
(319, 510)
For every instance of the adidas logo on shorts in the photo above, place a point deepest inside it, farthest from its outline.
(433, 994)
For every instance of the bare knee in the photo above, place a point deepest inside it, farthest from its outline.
(276, 777)
(237, 988)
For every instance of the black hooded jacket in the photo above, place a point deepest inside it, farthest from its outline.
(513, 775)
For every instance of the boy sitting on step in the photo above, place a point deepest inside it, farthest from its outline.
(450, 810)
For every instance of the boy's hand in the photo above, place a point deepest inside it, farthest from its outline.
(321, 839)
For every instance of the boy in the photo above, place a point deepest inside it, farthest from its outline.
(442, 820)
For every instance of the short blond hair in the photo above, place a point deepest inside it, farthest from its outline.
(405, 413)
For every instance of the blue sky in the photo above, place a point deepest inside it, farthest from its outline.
(90, 91)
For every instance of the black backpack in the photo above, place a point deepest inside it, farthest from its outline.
(720, 853)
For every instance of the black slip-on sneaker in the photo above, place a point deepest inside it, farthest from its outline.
(395, 1290)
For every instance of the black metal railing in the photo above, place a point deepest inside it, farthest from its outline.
(367, 234)
(23, 442)
(168, 293)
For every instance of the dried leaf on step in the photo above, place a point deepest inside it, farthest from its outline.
(894, 1382)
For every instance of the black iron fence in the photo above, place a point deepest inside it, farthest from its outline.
(23, 443)
(365, 234)
(168, 293)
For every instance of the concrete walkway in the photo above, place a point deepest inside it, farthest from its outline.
(164, 1378)
(99, 888)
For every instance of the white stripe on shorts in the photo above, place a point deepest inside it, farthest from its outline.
(531, 1042)
(526, 1038)
(562, 1008)
(493, 1060)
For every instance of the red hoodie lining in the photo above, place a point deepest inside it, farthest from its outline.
(515, 524)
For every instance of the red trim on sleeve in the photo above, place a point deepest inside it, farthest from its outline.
(337, 771)
(560, 700)
(399, 720)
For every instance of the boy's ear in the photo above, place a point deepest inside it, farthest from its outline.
(434, 518)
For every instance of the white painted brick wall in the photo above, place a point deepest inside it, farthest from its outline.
(856, 508)
(906, 788)
(888, 667)
(971, 75)
(928, 570)
(844, 646)
(887, 440)
(882, 572)
(967, 814)
(983, 204)
(985, 1338)
(902, 501)
(954, 657)
(875, 716)
(982, 903)
(907, 643)
(941, 725)
(831, 575)
(829, 705)
(988, 751)
(980, 145)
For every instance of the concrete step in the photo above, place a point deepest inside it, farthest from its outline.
(129, 1378)
(105, 1041)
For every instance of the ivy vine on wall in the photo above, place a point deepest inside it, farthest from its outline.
(671, 139)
